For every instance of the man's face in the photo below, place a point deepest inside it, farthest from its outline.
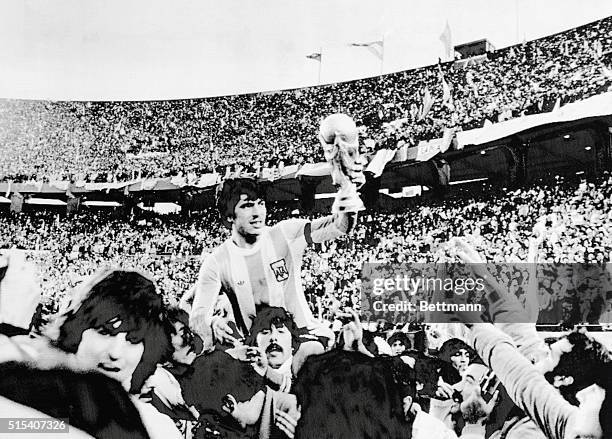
(460, 360)
(473, 406)
(249, 216)
(469, 386)
(397, 347)
(567, 310)
(112, 355)
(182, 351)
(276, 344)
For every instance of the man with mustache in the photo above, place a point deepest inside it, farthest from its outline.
(274, 343)
(473, 407)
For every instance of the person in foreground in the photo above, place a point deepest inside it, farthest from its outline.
(94, 359)
(526, 382)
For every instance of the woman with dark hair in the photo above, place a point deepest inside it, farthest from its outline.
(399, 343)
(92, 364)
(458, 353)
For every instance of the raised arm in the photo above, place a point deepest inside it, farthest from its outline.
(332, 226)
(525, 384)
(532, 304)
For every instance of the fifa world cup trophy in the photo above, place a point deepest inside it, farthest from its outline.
(340, 141)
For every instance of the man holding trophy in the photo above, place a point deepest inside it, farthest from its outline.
(260, 265)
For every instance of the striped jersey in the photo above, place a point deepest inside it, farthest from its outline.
(269, 273)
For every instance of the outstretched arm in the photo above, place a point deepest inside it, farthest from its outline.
(332, 226)
(525, 384)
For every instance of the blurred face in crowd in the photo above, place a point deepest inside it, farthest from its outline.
(473, 406)
(249, 216)
(397, 348)
(112, 355)
(276, 344)
(182, 350)
(460, 360)
(434, 338)
(567, 310)
(514, 285)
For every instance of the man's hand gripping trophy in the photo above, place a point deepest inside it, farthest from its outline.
(340, 141)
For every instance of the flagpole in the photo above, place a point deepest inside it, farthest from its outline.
(382, 54)
(517, 21)
(319, 58)
(320, 64)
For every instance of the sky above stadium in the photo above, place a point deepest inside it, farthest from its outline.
(151, 49)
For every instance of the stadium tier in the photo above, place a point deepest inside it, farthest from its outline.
(169, 247)
(121, 141)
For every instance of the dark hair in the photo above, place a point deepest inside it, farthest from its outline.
(277, 316)
(429, 369)
(452, 346)
(420, 341)
(190, 338)
(401, 337)
(212, 377)
(92, 402)
(587, 360)
(230, 193)
(131, 298)
(346, 394)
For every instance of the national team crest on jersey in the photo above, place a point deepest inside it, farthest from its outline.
(280, 270)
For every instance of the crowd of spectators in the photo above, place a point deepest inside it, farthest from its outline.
(576, 214)
(443, 380)
(118, 141)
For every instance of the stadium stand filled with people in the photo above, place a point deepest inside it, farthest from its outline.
(119, 141)
(170, 246)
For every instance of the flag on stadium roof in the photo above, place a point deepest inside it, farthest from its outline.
(446, 38)
(316, 56)
(375, 47)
